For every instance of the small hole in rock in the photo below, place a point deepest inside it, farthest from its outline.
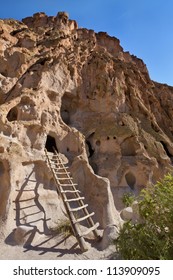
(98, 142)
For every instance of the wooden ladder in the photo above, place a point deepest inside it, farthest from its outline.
(71, 195)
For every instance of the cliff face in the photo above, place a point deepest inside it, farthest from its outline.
(80, 89)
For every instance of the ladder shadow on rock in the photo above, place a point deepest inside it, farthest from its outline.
(42, 248)
(27, 201)
(50, 243)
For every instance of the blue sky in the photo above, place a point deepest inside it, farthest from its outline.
(144, 27)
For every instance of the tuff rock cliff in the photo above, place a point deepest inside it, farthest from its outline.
(76, 88)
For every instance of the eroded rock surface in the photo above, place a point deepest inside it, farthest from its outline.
(109, 120)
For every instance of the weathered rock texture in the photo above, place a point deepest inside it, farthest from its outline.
(80, 89)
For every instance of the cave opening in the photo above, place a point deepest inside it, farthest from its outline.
(166, 149)
(130, 179)
(128, 147)
(65, 115)
(50, 144)
(12, 114)
(90, 149)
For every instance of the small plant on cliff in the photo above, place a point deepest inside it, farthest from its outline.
(152, 238)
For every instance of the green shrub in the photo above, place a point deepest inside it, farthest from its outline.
(153, 238)
(128, 199)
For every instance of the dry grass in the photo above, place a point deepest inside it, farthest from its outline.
(62, 227)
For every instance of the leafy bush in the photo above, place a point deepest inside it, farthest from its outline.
(128, 199)
(153, 237)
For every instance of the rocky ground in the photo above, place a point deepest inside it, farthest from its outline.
(57, 248)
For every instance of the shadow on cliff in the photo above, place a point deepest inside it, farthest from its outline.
(44, 248)
(70, 248)
(29, 204)
(27, 201)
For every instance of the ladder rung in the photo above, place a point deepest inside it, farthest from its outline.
(57, 168)
(84, 218)
(74, 199)
(55, 155)
(63, 173)
(90, 229)
(50, 154)
(78, 208)
(69, 191)
(57, 162)
(54, 164)
(67, 178)
(68, 185)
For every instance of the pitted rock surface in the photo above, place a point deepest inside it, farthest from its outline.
(109, 120)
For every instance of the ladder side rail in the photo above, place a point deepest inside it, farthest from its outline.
(81, 203)
(72, 219)
(49, 163)
(75, 227)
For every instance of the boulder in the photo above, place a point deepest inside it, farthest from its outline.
(109, 236)
(127, 214)
(21, 234)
